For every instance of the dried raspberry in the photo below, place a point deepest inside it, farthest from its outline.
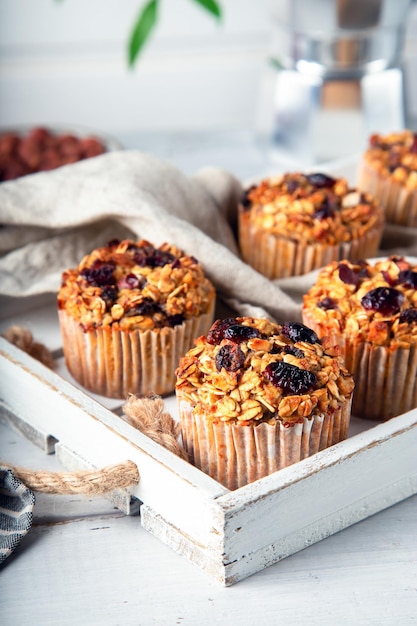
(291, 379)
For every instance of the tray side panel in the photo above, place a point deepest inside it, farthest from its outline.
(289, 519)
(174, 488)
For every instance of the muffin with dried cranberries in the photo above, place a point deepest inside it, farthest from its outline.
(128, 312)
(370, 309)
(388, 171)
(255, 396)
(295, 223)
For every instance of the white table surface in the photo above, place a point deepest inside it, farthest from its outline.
(84, 562)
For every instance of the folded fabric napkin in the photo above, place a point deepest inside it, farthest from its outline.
(16, 511)
(50, 220)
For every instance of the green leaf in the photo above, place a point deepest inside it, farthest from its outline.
(142, 29)
(211, 6)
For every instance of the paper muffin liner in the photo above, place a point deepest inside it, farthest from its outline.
(385, 378)
(276, 256)
(398, 202)
(114, 363)
(236, 455)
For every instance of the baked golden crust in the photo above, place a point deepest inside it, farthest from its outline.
(263, 373)
(394, 156)
(312, 208)
(127, 285)
(372, 303)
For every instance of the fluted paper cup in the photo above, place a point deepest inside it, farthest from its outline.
(236, 455)
(114, 363)
(398, 202)
(277, 256)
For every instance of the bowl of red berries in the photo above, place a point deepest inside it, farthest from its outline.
(27, 150)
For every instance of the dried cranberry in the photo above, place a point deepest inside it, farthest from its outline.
(216, 332)
(245, 200)
(238, 333)
(176, 264)
(290, 378)
(292, 184)
(175, 320)
(130, 281)
(413, 148)
(299, 332)
(230, 357)
(408, 278)
(389, 279)
(327, 303)
(408, 316)
(325, 210)
(147, 307)
(109, 294)
(99, 274)
(299, 354)
(113, 243)
(321, 181)
(147, 255)
(385, 300)
(347, 275)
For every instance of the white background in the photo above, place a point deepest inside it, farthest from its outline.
(65, 62)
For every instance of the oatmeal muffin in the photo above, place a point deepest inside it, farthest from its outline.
(370, 309)
(255, 397)
(389, 171)
(128, 312)
(295, 223)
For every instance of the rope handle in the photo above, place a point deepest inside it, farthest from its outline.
(146, 414)
(85, 482)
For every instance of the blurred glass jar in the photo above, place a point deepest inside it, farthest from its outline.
(340, 78)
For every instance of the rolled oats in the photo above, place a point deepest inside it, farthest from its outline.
(133, 285)
(370, 310)
(255, 393)
(294, 206)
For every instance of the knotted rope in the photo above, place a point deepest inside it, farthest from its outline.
(146, 414)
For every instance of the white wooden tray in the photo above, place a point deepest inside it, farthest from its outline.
(229, 534)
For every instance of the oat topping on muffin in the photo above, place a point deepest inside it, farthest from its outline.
(130, 285)
(311, 208)
(376, 302)
(395, 156)
(250, 370)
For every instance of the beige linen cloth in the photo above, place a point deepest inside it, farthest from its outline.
(50, 220)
